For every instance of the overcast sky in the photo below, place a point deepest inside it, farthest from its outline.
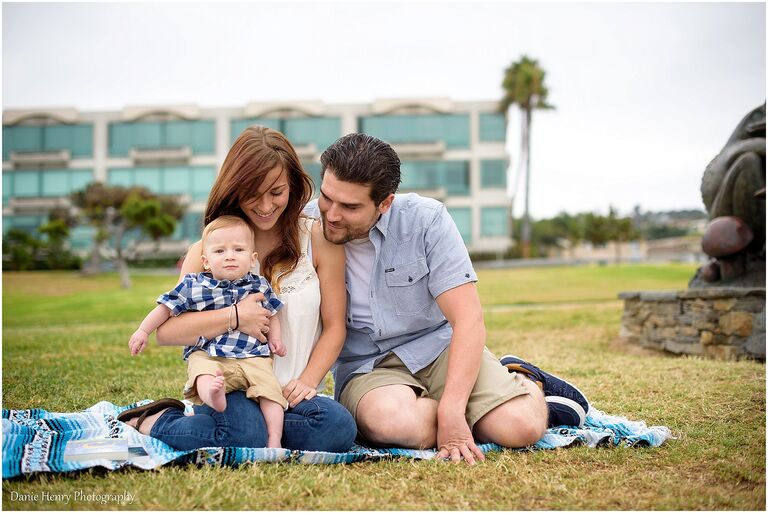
(645, 94)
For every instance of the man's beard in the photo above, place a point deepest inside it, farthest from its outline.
(343, 236)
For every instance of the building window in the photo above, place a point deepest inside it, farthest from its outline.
(494, 221)
(199, 136)
(452, 129)
(493, 174)
(44, 183)
(196, 181)
(452, 175)
(28, 224)
(492, 127)
(77, 139)
(462, 216)
(189, 227)
(313, 169)
(320, 131)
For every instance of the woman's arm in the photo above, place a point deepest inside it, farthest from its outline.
(329, 261)
(185, 329)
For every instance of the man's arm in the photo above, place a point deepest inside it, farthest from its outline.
(461, 307)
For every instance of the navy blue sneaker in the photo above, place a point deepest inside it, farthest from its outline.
(568, 406)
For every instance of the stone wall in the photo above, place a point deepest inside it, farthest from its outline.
(721, 323)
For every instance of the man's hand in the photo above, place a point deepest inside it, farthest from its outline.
(296, 391)
(454, 439)
(138, 341)
(254, 318)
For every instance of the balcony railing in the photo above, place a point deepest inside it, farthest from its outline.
(48, 158)
(179, 154)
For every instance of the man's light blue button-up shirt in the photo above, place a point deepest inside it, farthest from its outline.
(419, 255)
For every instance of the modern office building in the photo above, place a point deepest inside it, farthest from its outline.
(451, 151)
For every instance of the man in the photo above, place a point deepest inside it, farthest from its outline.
(414, 370)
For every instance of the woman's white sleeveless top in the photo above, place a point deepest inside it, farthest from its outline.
(300, 317)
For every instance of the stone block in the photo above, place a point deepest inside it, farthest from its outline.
(683, 346)
(659, 296)
(736, 323)
(706, 338)
(670, 332)
(750, 304)
(723, 352)
(704, 325)
(723, 305)
(755, 346)
(688, 331)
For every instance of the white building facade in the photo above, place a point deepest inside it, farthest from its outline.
(451, 151)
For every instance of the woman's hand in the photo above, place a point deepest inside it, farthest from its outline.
(254, 318)
(296, 391)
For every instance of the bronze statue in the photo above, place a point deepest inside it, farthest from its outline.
(733, 190)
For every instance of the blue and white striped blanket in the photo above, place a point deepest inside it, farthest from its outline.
(34, 441)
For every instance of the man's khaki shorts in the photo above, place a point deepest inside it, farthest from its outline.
(253, 375)
(495, 385)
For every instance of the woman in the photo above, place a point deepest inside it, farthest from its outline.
(262, 180)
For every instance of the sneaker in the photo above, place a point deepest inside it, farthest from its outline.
(568, 406)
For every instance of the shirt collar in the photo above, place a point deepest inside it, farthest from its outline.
(383, 223)
(207, 279)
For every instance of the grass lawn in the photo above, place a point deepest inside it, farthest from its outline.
(65, 348)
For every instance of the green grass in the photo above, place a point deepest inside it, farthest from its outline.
(564, 319)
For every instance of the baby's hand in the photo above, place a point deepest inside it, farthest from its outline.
(277, 347)
(138, 342)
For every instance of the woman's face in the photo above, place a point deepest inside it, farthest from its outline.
(271, 199)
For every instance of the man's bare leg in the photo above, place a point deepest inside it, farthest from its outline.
(393, 415)
(519, 422)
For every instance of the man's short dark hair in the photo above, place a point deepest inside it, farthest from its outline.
(365, 160)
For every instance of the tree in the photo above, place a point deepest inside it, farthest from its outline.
(620, 230)
(115, 210)
(596, 229)
(523, 86)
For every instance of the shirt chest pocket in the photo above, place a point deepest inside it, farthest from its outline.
(409, 286)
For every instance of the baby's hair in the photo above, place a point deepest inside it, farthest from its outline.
(226, 222)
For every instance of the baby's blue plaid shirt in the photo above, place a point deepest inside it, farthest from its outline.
(200, 291)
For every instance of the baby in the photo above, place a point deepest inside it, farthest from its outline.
(234, 360)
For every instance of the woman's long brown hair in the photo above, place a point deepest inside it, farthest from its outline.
(256, 152)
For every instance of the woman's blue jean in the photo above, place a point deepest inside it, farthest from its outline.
(318, 424)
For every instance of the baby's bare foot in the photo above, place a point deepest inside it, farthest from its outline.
(218, 397)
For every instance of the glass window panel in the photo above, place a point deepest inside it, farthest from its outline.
(192, 226)
(492, 127)
(81, 237)
(57, 137)
(82, 140)
(7, 186)
(419, 175)
(120, 139)
(456, 177)
(55, 182)
(239, 125)
(494, 221)
(79, 179)
(202, 181)
(26, 184)
(28, 224)
(313, 169)
(21, 138)
(148, 135)
(176, 180)
(178, 133)
(453, 129)
(319, 131)
(121, 177)
(148, 177)
(493, 174)
(204, 138)
(462, 216)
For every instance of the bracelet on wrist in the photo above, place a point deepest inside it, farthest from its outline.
(237, 317)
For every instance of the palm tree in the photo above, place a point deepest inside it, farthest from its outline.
(524, 86)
